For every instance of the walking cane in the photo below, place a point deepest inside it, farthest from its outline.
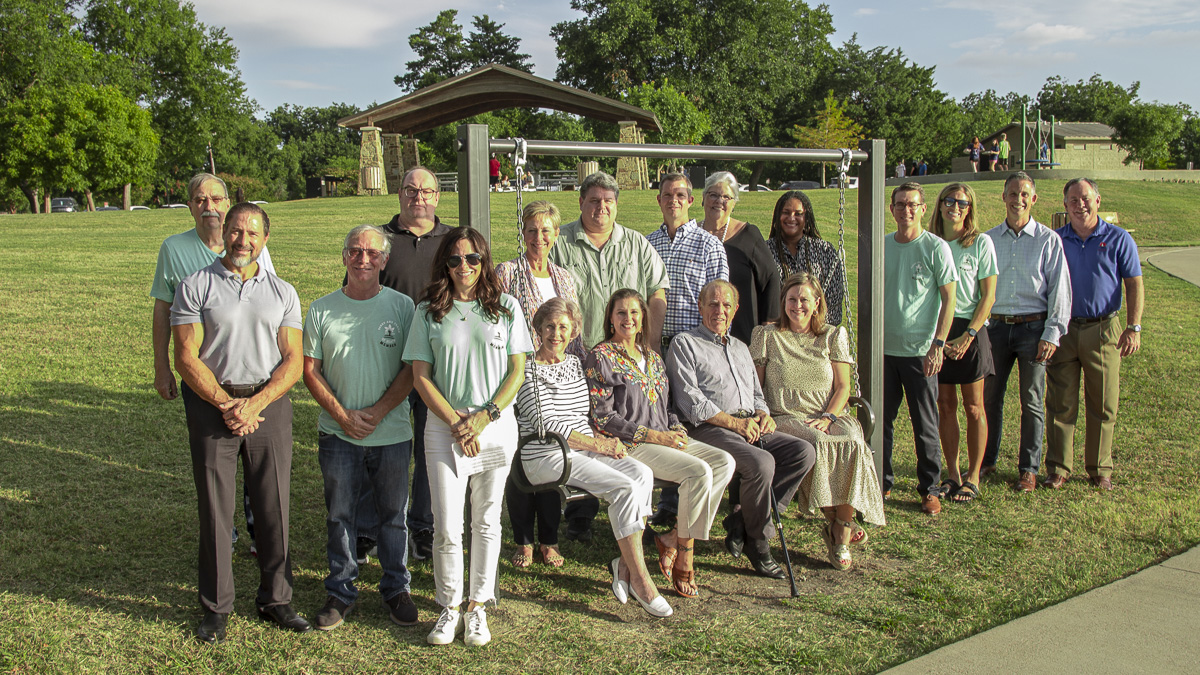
(787, 559)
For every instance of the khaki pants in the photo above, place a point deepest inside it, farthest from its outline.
(1091, 351)
(702, 473)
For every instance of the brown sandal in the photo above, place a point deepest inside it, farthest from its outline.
(684, 580)
(523, 557)
(666, 557)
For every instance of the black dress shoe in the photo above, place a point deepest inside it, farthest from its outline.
(212, 628)
(735, 533)
(286, 617)
(759, 555)
(579, 529)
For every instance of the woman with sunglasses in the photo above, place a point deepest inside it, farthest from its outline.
(467, 347)
(797, 246)
(752, 270)
(968, 351)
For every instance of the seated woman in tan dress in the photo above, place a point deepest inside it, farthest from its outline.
(804, 366)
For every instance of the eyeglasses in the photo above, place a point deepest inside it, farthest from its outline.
(354, 253)
(413, 193)
(951, 201)
(908, 206)
(473, 259)
(199, 201)
(714, 197)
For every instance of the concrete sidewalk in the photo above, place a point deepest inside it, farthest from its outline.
(1145, 623)
(1183, 263)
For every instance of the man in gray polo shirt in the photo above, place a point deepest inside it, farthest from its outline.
(237, 332)
(715, 390)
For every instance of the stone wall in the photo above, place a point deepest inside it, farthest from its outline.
(632, 172)
(371, 173)
(393, 167)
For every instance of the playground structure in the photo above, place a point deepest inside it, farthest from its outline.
(475, 146)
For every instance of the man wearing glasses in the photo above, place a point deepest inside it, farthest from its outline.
(1033, 305)
(918, 307)
(415, 235)
(178, 258)
(353, 340)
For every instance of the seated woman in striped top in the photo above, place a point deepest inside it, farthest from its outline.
(598, 464)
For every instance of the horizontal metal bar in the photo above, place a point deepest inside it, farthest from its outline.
(598, 149)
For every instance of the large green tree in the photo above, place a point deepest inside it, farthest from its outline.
(317, 141)
(743, 61)
(1094, 100)
(1149, 131)
(443, 52)
(831, 128)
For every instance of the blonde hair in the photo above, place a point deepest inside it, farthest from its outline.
(816, 324)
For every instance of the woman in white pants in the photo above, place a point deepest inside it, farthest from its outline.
(467, 346)
(555, 395)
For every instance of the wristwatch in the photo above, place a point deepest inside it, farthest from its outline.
(829, 416)
(972, 332)
(493, 410)
(939, 343)
(1137, 327)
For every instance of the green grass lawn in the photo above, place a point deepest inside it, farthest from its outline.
(98, 522)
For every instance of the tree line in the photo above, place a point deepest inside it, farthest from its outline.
(97, 95)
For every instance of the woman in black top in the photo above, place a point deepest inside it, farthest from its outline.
(797, 246)
(752, 270)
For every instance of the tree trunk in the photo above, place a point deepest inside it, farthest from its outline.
(823, 183)
(91, 204)
(126, 198)
(47, 198)
(32, 195)
(756, 173)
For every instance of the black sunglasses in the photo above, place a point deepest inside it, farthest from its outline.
(473, 259)
(951, 201)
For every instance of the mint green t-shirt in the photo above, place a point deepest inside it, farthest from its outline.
(468, 352)
(182, 255)
(913, 273)
(973, 264)
(360, 345)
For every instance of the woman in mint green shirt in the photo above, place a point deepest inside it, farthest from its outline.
(467, 346)
(968, 352)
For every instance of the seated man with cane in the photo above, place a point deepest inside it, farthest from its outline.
(716, 392)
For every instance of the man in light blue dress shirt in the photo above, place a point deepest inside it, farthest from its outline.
(1030, 316)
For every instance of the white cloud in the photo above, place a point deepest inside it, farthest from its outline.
(301, 85)
(865, 11)
(1003, 61)
(1041, 35)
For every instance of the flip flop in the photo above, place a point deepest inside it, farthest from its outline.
(552, 557)
(968, 491)
(521, 559)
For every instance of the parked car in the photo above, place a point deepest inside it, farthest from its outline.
(63, 205)
(746, 187)
(259, 202)
(139, 208)
(108, 208)
(175, 206)
(801, 185)
(851, 183)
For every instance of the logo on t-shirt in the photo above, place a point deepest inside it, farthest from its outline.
(920, 273)
(388, 328)
(969, 265)
(498, 340)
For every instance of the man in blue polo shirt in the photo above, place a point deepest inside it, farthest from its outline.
(1100, 256)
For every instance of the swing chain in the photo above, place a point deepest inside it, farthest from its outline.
(847, 308)
(524, 273)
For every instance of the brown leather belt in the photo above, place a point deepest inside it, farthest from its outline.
(1015, 319)
(1088, 321)
(243, 390)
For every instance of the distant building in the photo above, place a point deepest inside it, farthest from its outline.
(1086, 146)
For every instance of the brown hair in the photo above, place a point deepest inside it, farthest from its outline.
(817, 323)
(641, 341)
(487, 290)
(970, 223)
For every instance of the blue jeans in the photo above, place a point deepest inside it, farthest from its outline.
(420, 511)
(347, 468)
(1016, 343)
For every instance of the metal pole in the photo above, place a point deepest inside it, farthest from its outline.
(1051, 165)
(870, 287)
(474, 198)
(597, 149)
(1024, 129)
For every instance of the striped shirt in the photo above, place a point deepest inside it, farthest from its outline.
(693, 259)
(1033, 276)
(563, 394)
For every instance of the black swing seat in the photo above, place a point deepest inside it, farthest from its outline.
(869, 425)
(568, 493)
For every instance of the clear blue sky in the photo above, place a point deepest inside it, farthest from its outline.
(313, 52)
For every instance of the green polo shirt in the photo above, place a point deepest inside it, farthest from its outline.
(626, 261)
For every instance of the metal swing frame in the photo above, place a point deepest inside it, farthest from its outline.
(475, 146)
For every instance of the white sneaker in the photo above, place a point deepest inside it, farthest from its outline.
(448, 625)
(477, 634)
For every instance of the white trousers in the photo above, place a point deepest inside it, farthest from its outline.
(448, 492)
(702, 472)
(626, 484)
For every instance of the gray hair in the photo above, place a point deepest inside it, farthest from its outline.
(599, 180)
(559, 307)
(1020, 176)
(718, 285)
(374, 229)
(725, 178)
(543, 209)
(1082, 179)
(200, 179)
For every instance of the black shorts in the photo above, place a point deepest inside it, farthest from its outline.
(975, 365)
(493, 179)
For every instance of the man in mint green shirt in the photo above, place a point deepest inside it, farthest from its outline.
(919, 294)
(353, 343)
